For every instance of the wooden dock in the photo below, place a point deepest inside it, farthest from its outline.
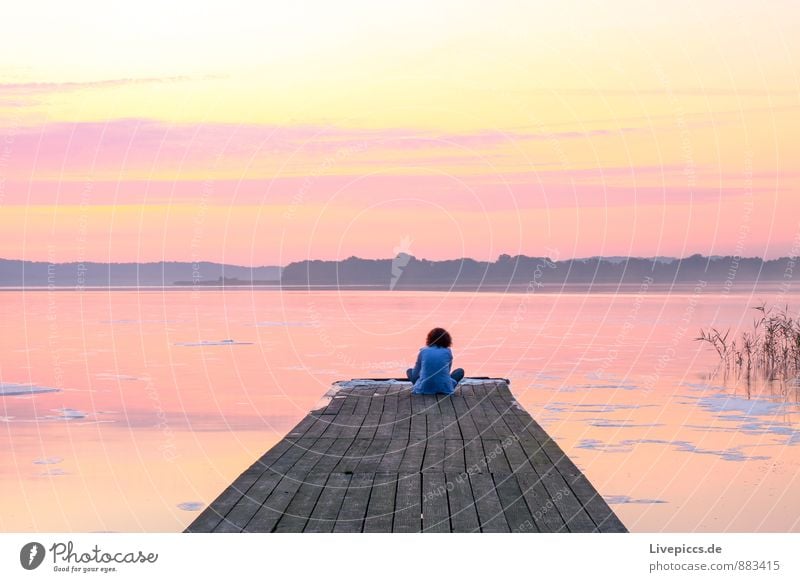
(373, 458)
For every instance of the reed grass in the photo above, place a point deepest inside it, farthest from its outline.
(770, 349)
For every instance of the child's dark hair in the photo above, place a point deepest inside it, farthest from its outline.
(439, 337)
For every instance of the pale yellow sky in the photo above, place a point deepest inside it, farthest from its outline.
(690, 109)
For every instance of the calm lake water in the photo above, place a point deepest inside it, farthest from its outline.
(124, 410)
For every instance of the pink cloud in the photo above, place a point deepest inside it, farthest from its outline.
(143, 145)
(465, 193)
(113, 162)
(140, 148)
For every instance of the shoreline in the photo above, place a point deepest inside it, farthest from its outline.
(489, 288)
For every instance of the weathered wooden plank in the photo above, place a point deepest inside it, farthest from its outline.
(349, 404)
(333, 455)
(599, 511)
(363, 400)
(402, 426)
(412, 459)
(574, 514)
(315, 452)
(449, 418)
(334, 428)
(401, 430)
(270, 512)
(466, 424)
(376, 403)
(397, 388)
(435, 427)
(588, 497)
(497, 411)
(393, 457)
(301, 427)
(322, 423)
(354, 507)
(536, 455)
(517, 514)
(429, 404)
(388, 417)
(372, 457)
(419, 427)
(573, 511)
(376, 458)
(353, 457)
(368, 428)
(545, 513)
(385, 426)
(463, 514)
(212, 515)
(494, 450)
(524, 426)
(348, 425)
(325, 512)
(381, 509)
(454, 456)
(516, 457)
(477, 413)
(295, 518)
(391, 402)
(494, 420)
(241, 513)
(504, 390)
(474, 456)
(374, 411)
(434, 455)
(435, 511)
(520, 422)
(404, 401)
(534, 429)
(335, 405)
(417, 405)
(490, 510)
(408, 506)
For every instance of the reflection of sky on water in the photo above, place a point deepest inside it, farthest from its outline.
(579, 387)
(620, 499)
(191, 505)
(55, 472)
(141, 321)
(756, 416)
(725, 412)
(225, 342)
(144, 418)
(607, 423)
(48, 461)
(628, 445)
(594, 408)
(10, 389)
(283, 324)
(121, 377)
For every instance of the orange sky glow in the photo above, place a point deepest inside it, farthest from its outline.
(255, 135)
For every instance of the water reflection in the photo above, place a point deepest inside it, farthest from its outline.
(131, 413)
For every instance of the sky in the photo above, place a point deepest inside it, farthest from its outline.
(261, 133)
